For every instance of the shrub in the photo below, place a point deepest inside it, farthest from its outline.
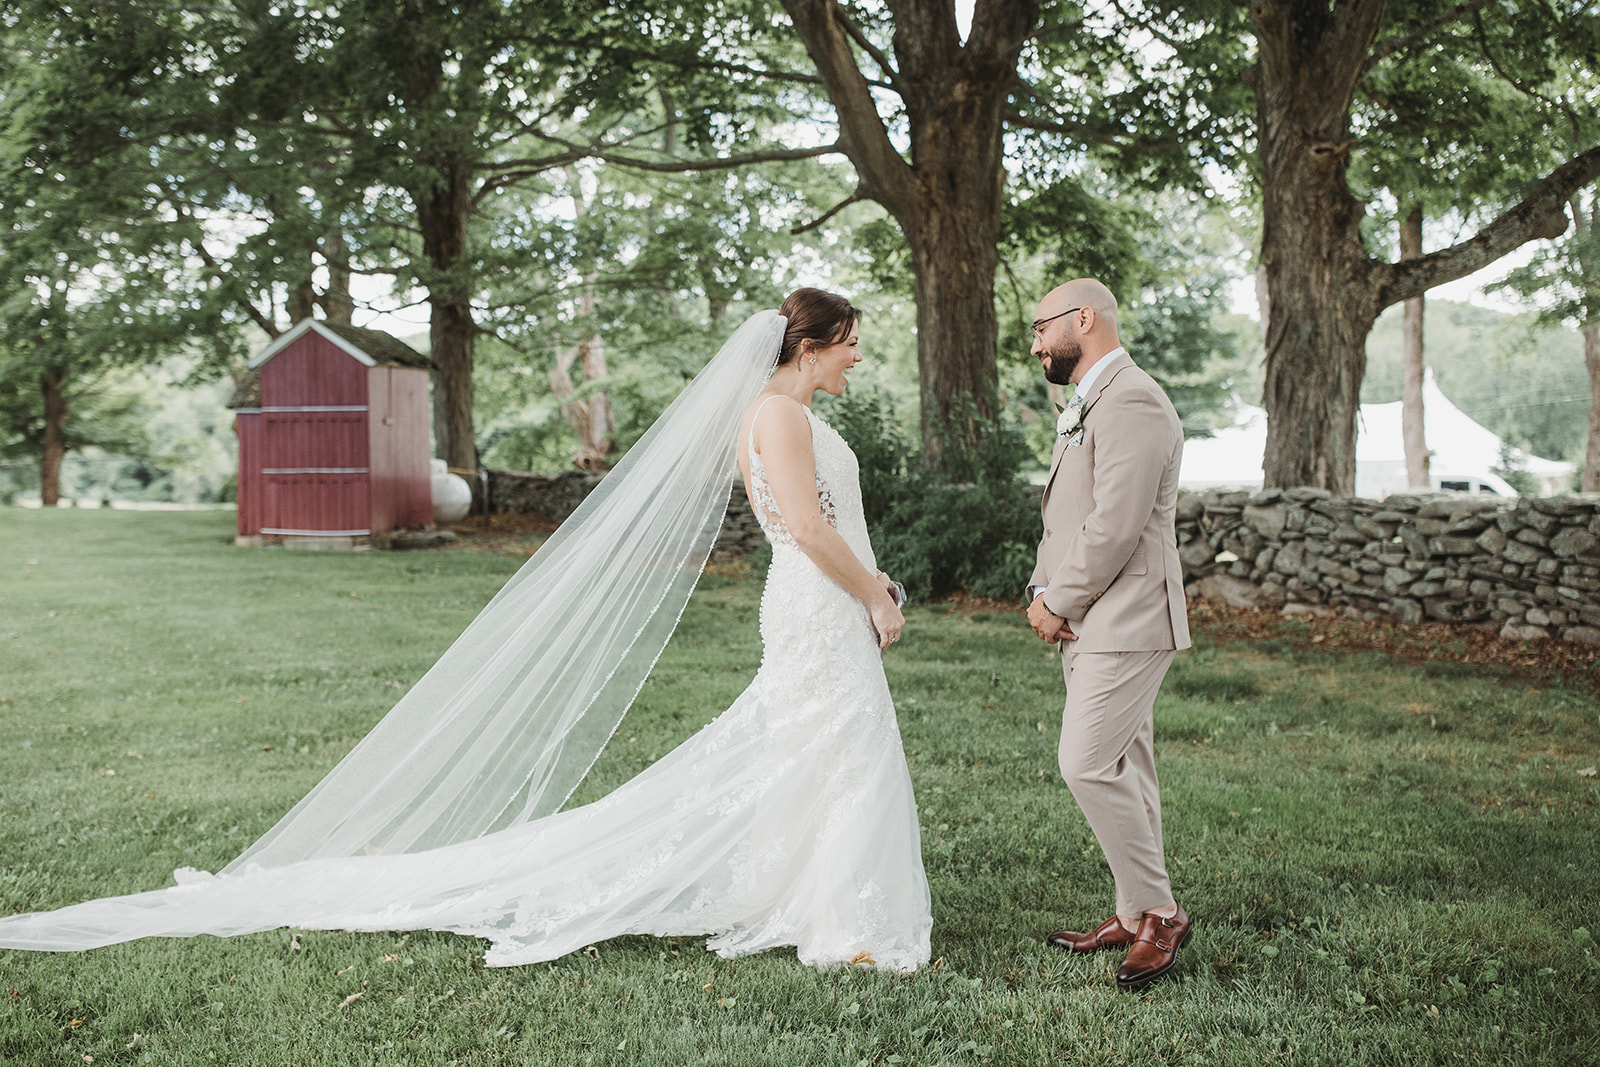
(969, 524)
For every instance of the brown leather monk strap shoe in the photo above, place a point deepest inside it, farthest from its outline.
(1109, 934)
(1155, 948)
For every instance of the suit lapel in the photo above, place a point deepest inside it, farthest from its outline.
(1103, 379)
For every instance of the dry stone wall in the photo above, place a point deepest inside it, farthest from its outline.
(553, 497)
(1527, 568)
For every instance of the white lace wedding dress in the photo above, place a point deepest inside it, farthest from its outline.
(788, 820)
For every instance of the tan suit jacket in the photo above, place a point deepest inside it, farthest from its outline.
(1109, 558)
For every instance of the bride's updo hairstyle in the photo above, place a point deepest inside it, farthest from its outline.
(813, 315)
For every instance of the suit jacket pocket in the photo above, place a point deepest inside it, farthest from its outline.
(1136, 562)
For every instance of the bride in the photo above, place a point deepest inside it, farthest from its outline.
(788, 820)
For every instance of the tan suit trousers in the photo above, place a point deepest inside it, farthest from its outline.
(1108, 761)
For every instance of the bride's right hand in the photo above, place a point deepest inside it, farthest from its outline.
(887, 621)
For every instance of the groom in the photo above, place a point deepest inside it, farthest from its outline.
(1109, 589)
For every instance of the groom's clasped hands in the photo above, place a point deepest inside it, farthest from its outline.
(1050, 627)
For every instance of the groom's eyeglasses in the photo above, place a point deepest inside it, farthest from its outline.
(1039, 325)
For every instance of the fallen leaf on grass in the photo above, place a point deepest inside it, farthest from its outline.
(593, 953)
(351, 999)
(135, 1043)
(294, 943)
(863, 957)
(347, 970)
(86, 1057)
(391, 957)
(1588, 772)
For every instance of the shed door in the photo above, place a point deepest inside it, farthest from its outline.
(314, 475)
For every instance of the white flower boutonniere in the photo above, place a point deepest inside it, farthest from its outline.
(1070, 420)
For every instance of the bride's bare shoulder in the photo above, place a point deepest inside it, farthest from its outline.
(775, 423)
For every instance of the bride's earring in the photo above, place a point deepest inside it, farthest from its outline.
(813, 359)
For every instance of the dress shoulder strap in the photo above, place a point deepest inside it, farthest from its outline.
(751, 444)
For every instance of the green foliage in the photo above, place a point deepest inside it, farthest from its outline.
(1388, 866)
(1522, 377)
(659, 268)
(1515, 472)
(1168, 257)
(971, 524)
(1563, 276)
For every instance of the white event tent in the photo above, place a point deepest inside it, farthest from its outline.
(1464, 452)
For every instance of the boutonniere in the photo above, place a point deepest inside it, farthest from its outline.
(1071, 419)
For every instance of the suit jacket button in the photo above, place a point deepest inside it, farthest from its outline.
(1047, 532)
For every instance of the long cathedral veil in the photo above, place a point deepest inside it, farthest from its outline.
(508, 721)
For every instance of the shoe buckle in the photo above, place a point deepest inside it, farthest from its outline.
(1164, 946)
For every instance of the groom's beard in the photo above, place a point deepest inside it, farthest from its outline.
(1060, 361)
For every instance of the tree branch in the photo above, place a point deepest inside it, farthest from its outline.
(869, 48)
(776, 75)
(1386, 48)
(853, 198)
(1149, 27)
(514, 171)
(533, 163)
(683, 166)
(1086, 132)
(1542, 215)
(181, 210)
(1516, 83)
(883, 174)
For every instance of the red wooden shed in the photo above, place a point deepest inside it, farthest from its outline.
(332, 423)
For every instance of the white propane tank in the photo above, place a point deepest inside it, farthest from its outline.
(452, 496)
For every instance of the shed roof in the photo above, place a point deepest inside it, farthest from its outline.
(371, 347)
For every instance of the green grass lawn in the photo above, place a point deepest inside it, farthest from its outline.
(1386, 863)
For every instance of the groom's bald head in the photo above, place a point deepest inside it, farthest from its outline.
(1084, 292)
(1075, 325)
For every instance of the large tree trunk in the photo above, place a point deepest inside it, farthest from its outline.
(592, 420)
(336, 303)
(954, 255)
(1589, 274)
(947, 198)
(55, 446)
(1321, 300)
(1591, 454)
(1411, 412)
(955, 98)
(1324, 290)
(443, 213)
(302, 302)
